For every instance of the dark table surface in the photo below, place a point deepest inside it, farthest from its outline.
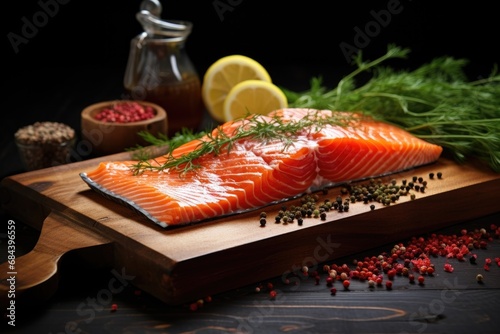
(447, 302)
(61, 68)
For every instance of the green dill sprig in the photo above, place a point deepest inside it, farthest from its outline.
(435, 102)
(255, 127)
(161, 140)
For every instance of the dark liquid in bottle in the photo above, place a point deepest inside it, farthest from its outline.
(181, 101)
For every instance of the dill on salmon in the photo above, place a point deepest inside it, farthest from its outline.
(263, 129)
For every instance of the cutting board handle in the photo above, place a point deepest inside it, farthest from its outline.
(33, 277)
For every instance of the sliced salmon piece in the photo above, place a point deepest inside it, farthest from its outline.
(254, 173)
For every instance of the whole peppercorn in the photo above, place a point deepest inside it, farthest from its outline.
(479, 278)
(411, 278)
(430, 270)
(473, 259)
(346, 284)
(329, 281)
(262, 222)
(391, 273)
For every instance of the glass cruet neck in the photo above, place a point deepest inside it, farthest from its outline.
(155, 27)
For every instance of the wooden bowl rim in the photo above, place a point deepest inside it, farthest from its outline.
(87, 113)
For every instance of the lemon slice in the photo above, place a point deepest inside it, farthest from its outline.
(253, 97)
(223, 75)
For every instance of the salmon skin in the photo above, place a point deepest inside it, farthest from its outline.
(252, 172)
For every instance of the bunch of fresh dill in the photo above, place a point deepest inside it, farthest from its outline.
(435, 102)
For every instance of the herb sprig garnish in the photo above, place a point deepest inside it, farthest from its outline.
(435, 102)
(256, 127)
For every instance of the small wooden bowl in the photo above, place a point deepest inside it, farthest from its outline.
(105, 138)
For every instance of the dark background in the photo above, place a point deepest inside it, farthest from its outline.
(78, 55)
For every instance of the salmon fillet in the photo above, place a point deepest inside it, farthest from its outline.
(253, 172)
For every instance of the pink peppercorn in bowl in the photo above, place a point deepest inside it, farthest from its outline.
(113, 126)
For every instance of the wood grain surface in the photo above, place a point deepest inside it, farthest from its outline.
(166, 262)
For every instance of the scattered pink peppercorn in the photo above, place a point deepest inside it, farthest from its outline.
(114, 307)
(272, 294)
(333, 291)
(346, 284)
(421, 279)
(388, 285)
(329, 281)
(391, 273)
(411, 278)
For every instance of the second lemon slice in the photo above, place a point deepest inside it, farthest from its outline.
(223, 75)
(253, 97)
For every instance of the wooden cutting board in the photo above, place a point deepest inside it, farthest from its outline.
(187, 263)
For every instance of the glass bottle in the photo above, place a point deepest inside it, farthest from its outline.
(160, 71)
